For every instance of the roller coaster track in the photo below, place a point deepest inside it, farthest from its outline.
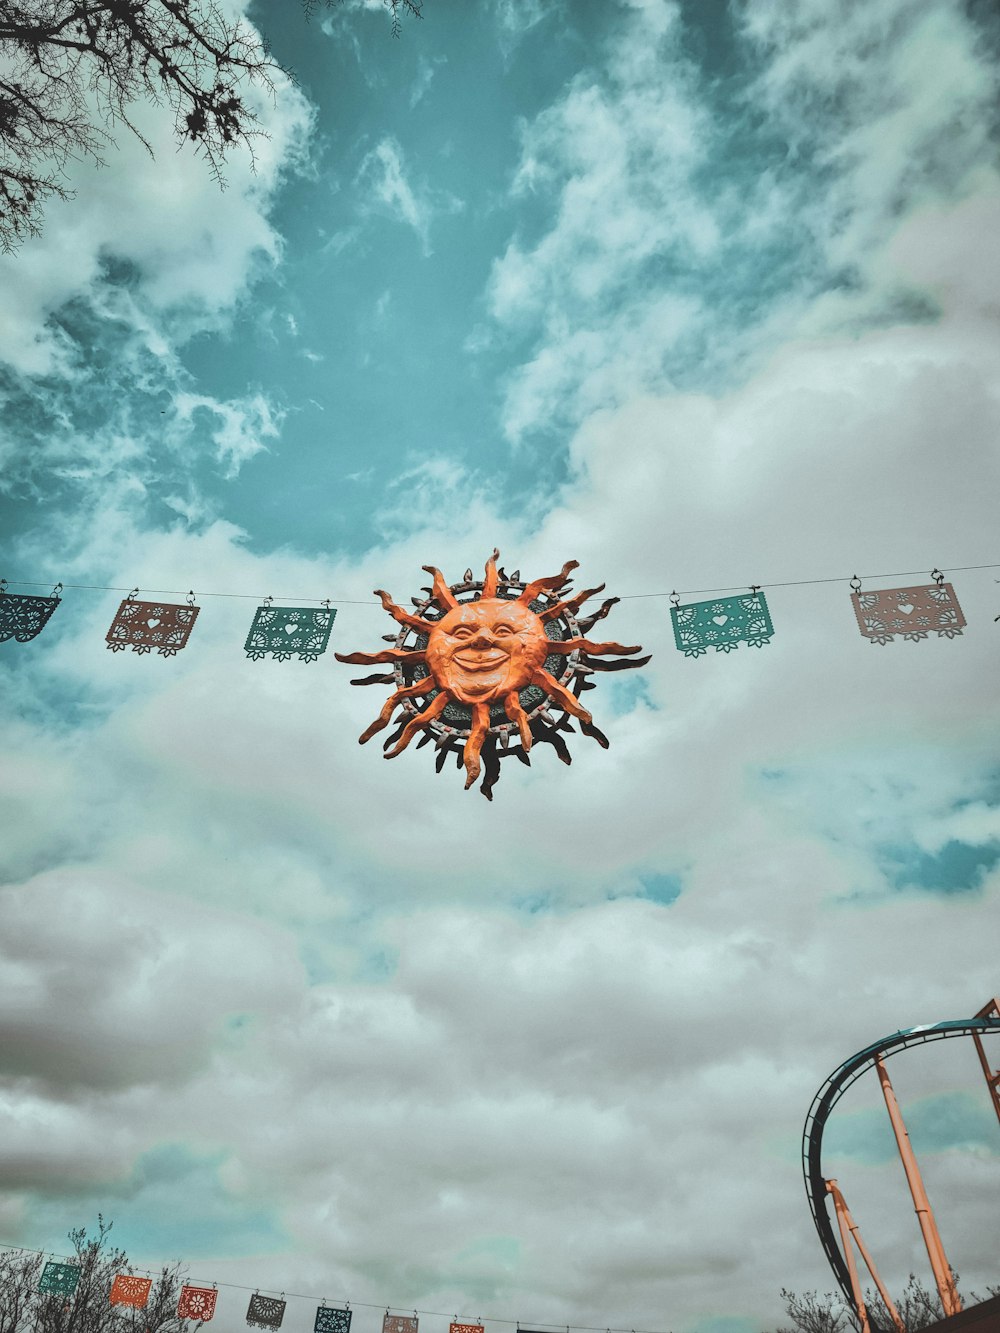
(826, 1099)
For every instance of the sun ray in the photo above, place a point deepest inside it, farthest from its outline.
(551, 737)
(588, 646)
(404, 656)
(415, 724)
(547, 584)
(563, 697)
(512, 705)
(403, 617)
(587, 623)
(442, 592)
(477, 734)
(491, 762)
(595, 733)
(571, 604)
(620, 664)
(490, 582)
(422, 686)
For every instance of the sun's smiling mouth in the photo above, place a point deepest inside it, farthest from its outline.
(480, 660)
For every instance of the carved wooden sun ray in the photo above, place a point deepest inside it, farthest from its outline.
(494, 661)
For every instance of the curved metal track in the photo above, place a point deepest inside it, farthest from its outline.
(826, 1099)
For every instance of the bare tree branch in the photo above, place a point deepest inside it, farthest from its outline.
(71, 69)
(24, 1309)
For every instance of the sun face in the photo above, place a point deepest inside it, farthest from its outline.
(486, 650)
(490, 659)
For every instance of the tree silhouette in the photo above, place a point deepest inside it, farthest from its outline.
(19, 1274)
(918, 1306)
(71, 70)
(23, 1309)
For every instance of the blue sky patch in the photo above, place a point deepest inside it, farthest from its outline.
(173, 1205)
(664, 889)
(957, 868)
(625, 692)
(726, 1324)
(949, 1120)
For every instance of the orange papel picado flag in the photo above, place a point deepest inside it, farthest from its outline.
(130, 1290)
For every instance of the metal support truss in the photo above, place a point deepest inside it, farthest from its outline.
(988, 1020)
(848, 1231)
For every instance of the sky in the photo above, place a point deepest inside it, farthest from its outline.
(701, 295)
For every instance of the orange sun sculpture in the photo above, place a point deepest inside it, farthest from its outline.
(493, 660)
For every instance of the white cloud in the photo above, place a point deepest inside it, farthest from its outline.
(194, 248)
(381, 173)
(100, 305)
(517, 19)
(334, 25)
(242, 426)
(382, 178)
(426, 69)
(656, 203)
(976, 825)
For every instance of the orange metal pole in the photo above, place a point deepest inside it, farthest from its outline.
(991, 1010)
(852, 1268)
(844, 1218)
(950, 1301)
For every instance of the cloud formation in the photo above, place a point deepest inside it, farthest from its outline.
(386, 188)
(686, 237)
(546, 1059)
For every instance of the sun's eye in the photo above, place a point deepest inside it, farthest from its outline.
(503, 631)
(463, 632)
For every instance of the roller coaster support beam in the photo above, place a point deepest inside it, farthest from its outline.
(950, 1302)
(832, 1091)
(849, 1228)
(991, 1010)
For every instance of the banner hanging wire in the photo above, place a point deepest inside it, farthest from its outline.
(624, 597)
(366, 1305)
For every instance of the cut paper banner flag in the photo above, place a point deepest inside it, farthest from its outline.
(59, 1279)
(465, 1328)
(723, 624)
(197, 1303)
(142, 626)
(913, 613)
(330, 1320)
(23, 617)
(265, 1311)
(395, 1323)
(284, 631)
(129, 1290)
